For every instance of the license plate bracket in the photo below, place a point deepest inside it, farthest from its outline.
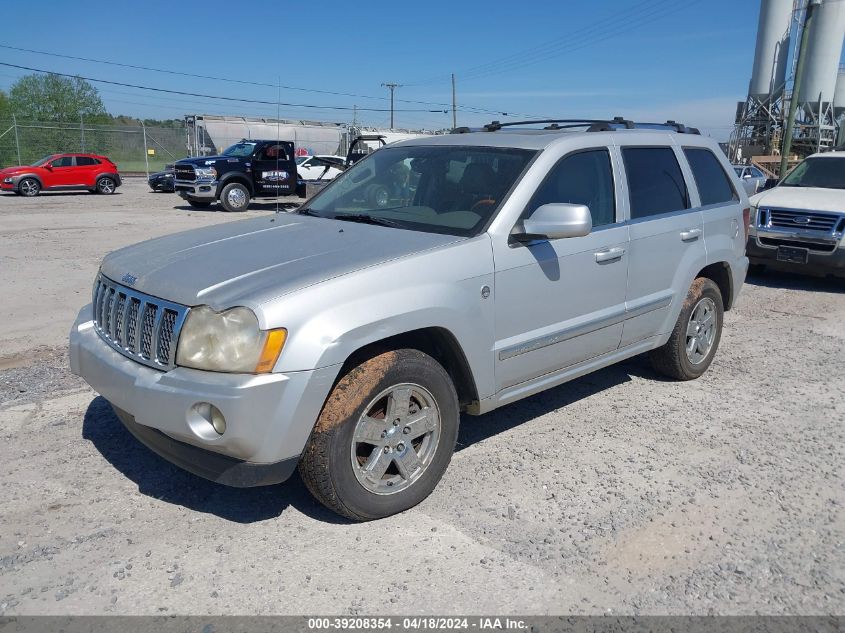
(792, 254)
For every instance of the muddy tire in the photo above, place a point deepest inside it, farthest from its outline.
(694, 340)
(384, 437)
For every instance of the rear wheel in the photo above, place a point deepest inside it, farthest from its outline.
(199, 204)
(29, 187)
(234, 197)
(384, 438)
(378, 196)
(106, 185)
(694, 340)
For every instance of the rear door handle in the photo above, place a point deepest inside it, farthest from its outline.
(609, 255)
(691, 235)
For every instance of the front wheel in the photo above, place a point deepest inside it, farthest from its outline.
(694, 340)
(106, 185)
(234, 197)
(384, 437)
(29, 187)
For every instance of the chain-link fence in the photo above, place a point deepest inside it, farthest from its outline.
(131, 148)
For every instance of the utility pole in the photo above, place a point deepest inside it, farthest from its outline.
(82, 132)
(17, 140)
(454, 107)
(391, 87)
(796, 88)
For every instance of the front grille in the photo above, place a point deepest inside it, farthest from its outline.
(813, 246)
(184, 172)
(139, 326)
(807, 220)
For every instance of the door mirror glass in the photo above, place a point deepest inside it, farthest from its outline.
(556, 221)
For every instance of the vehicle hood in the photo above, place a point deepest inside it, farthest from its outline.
(19, 169)
(162, 174)
(234, 263)
(810, 198)
(202, 161)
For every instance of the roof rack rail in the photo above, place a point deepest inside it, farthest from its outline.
(592, 125)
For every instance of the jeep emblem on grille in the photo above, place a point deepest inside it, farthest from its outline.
(128, 279)
(801, 220)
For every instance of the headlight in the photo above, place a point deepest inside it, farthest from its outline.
(7, 180)
(205, 172)
(228, 341)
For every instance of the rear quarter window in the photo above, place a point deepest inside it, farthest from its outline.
(714, 186)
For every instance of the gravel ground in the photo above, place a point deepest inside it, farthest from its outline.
(620, 492)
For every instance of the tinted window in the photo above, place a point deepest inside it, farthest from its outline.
(655, 182)
(64, 161)
(273, 152)
(582, 178)
(85, 161)
(757, 173)
(711, 180)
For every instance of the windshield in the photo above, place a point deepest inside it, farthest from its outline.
(438, 189)
(41, 161)
(827, 173)
(738, 171)
(239, 149)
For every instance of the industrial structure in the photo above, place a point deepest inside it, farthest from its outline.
(762, 119)
(210, 134)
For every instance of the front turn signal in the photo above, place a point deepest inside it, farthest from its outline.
(274, 341)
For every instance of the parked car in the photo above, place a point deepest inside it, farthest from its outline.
(248, 169)
(752, 178)
(799, 225)
(346, 339)
(320, 167)
(163, 180)
(62, 172)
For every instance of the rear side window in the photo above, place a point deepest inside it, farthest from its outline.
(85, 161)
(655, 182)
(582, 178)
(712, 181)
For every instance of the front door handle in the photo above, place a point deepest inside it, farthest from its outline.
(611, 254)
(691, 235)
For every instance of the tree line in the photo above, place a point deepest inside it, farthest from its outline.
(54, 98)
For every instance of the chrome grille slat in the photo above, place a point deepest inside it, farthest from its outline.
(139, 326)
(794, 219)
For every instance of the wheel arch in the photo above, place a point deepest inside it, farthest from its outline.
(720, 274)
(437, 342)
(235, 177)
(23, 177)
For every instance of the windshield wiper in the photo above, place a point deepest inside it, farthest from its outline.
(307, 211)
(364, 218)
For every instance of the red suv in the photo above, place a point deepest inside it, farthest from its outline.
(62, 172)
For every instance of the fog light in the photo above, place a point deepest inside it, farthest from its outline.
(211, 415)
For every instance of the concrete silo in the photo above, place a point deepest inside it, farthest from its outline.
(768, 74)
(823, 53)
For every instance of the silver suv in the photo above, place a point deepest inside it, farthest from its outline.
(347, 338)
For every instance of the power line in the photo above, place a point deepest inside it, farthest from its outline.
(205, 96)
(633, 17)
(466, 108)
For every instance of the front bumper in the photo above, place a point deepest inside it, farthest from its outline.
(196, 189)
(269, 417)
(818, 262)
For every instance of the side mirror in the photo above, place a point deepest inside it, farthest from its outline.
(48, 166)
(556, 221)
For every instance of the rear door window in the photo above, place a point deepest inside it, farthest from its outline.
(655, 181)
(85, 161)
(713, 184)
